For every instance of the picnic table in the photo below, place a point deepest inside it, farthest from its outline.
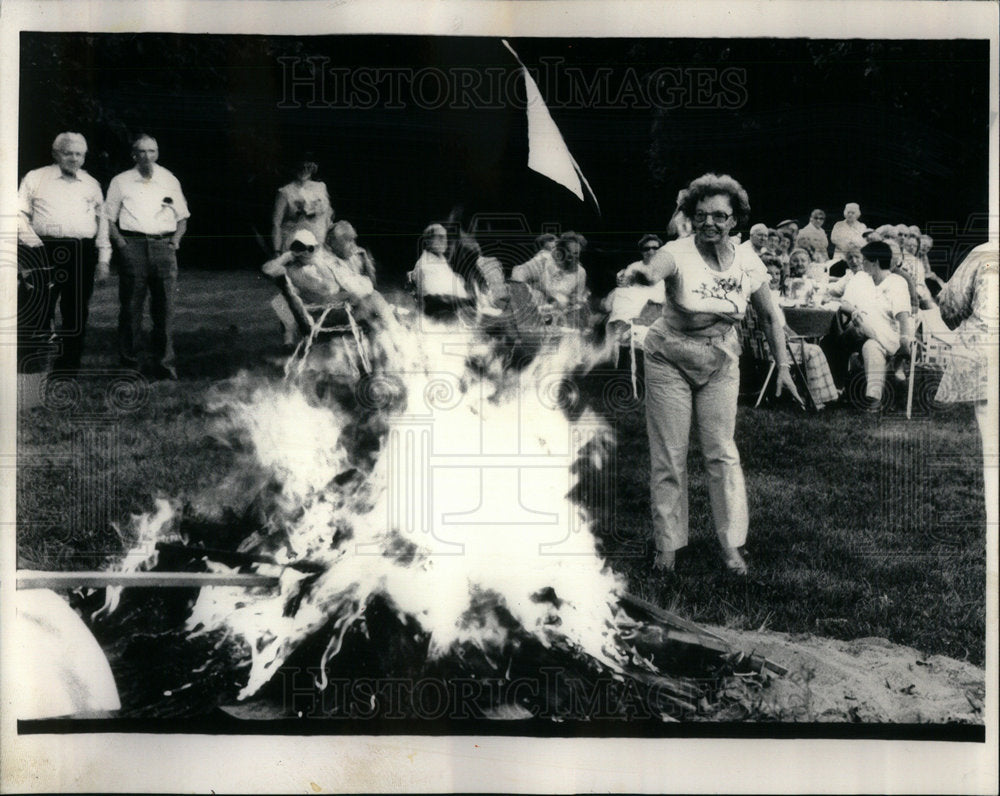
(810, 322)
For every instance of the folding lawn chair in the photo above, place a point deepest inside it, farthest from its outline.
(317, 322)
(754, 340)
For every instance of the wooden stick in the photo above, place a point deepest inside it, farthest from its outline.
(759, 661)
(33, 579)
(668, 617)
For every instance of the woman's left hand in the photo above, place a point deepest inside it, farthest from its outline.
(784, 381)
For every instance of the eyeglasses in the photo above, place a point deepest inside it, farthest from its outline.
(651, 248)
(717, 217)
(301, 247)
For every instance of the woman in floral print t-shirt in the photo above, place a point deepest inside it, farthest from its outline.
(692, 364)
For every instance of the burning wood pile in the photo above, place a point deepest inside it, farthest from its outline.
(426, 556)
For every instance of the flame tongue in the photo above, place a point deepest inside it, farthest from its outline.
(459, 517)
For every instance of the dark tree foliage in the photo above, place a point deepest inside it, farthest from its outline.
(898, 126)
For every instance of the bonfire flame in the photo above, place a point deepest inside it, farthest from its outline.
(445, 494)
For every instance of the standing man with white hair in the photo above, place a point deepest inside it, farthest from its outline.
(849, 233)
(63, 247)
(148, 215)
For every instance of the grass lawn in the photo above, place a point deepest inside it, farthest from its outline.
(860, 526)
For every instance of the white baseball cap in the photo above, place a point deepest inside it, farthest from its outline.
(305, 237)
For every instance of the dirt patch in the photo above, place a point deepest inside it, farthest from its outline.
(868, 680)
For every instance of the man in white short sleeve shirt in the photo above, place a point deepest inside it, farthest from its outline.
(148, 215)
(63, 247)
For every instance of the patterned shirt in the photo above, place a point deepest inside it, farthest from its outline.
(701, 299)
(969, 302)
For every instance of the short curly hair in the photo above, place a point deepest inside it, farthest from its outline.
(717, 185)
(571, 237)
(545, 237)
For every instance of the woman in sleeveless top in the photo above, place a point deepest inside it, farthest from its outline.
(692, 364)
(301, 204)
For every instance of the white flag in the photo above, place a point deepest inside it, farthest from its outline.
(547, 151)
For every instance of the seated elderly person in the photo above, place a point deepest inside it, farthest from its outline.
(342, 240)
(798, 263)
(819, 379)
(788, 227)
(439, 287)
(913, 266)
(933, 282)
(310, 276)
(877, 302)
(484, 274)
(774, 241)
(853, 262)
(626, 302)
(558, 283)
(546, 244)
(887, 234)
(757, 241)
(786, 242)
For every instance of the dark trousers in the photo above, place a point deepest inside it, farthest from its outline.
(148, 266)
(838, 347)
(60, 272)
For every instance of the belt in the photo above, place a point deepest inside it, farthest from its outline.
(130, 234)
(56, 239)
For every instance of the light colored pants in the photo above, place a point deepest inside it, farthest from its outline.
(876, 359)
(686, 376)
(290, 329)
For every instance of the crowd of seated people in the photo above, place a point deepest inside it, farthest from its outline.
(452, 274)
(851, 266)
(558, 281)
(808, 266)
(338, 279)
